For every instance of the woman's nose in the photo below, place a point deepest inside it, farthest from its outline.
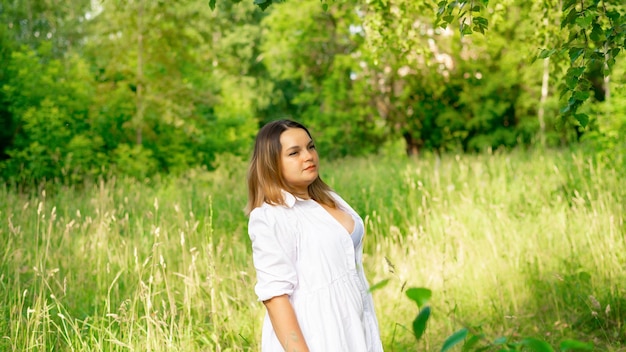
(307, 155)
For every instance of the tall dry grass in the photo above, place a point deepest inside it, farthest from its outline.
(512, 244)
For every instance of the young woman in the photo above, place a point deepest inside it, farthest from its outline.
(307, 250)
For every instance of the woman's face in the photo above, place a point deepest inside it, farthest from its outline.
(298, 159)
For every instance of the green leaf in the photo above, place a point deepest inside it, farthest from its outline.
(583, 119)
(563, 90)
(465, 29)
(379, 285)
(571, 82)
(481, 21)
(263, 4)
(454, 339)
(571, 107)
(597, 34)
(581, 95)
(565, 110)
(574, 53)
(441, 8)
(567, 345)
(583, 84)
(419, 324)
(325, 7)
(613, 15)
(614, 52)
(584, 22)
(448, 19)
(572, 76)
(212, 4)
(537, 345)
(545, 53)
(567, 4)
(570, 19)
(420, 295)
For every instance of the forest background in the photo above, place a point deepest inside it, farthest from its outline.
(94, 88)
(107, 107)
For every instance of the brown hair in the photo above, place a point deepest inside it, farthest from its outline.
(265, 179)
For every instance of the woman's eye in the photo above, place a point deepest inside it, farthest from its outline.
(293, 153)
(312, 146)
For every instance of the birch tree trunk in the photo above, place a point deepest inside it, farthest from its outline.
(545, 81)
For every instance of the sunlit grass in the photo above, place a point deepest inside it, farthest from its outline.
(520, 244)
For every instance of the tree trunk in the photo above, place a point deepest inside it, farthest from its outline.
(412, 146)
(607, 79)
(544, 96)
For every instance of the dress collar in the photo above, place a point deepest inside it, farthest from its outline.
(290, 199)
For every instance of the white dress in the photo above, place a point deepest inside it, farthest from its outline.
(303, 251)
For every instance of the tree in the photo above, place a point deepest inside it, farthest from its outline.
(584, 43)
(31, 25)
(596, 34)
(137, 87)
(170, 61)
(52, 138)
(314, 66)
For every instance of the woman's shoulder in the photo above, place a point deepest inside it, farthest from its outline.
(277, 206)
(279, 218)
(269, 211)
(265, 210)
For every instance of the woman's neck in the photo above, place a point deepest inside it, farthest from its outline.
(301, 194)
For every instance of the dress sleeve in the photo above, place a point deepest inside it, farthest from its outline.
(273, 254)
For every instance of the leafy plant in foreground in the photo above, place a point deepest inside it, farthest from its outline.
(476, 340)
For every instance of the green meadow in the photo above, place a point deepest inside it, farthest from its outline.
(512, 245)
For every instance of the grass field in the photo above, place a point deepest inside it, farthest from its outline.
(512, 245)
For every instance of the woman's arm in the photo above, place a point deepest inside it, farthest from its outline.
(285, 324)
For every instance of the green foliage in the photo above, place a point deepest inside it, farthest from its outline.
(419, 324)
(180, 84)
(573, 345)
(467, 13)
(596, 36)
(135, 161)
(52, 138)
(379, 285)
(421, 296)
(311, 60)
(135, 97)
(263, 4)
(455, 339)
(611, 123)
